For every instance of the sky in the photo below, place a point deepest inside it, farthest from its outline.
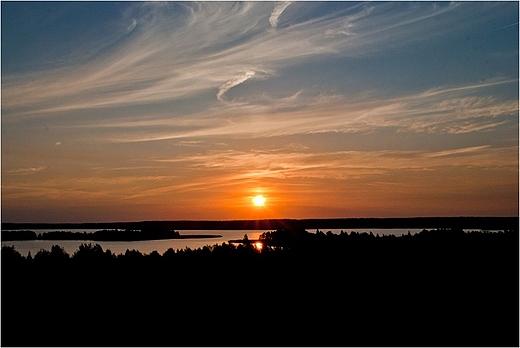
(131, 111)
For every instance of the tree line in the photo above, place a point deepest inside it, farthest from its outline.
(434, 288)
(461, 222)
(126, 235)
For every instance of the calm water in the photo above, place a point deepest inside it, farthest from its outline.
(146, 247)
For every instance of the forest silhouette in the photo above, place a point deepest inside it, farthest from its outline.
(443, 287)
(127, 235)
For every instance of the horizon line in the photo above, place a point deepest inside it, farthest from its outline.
(478, 222)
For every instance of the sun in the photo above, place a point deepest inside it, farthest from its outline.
(259, 201)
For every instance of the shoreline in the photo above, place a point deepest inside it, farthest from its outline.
(490, 223)
(29, 235)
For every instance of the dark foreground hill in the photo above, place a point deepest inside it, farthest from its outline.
(435, 288)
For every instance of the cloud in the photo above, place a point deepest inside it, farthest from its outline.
(184, 52)
(238, 166)
(131, 26)
(470, 127)
(234, 82)
(506, 26)
(458, 151)
(277, 12)
(26, 171)
(158, 82)
(348, 25)
(450, 110)
(189, 143)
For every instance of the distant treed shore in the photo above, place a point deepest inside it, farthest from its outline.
(484, 223)
(102, 235)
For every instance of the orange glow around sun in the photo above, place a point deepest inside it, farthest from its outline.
(259, 201)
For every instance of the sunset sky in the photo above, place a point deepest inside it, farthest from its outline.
(130, 111)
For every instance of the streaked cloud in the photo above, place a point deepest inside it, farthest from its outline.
(25, 171)
(344, 164)
(167, 62)
(277, 12)
(234, 82)
(450, 110)
(131, 26)
(458, 151)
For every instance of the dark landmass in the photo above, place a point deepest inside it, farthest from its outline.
(440, 287)
(102, 235)
(18, 235)
(485, 223)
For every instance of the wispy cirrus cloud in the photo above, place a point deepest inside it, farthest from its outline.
(451, 110)
(234, 82)
(25, 171)
(277, 12)
(204, 48)
(131, 26)
(297, 172)
(343, 164)
(459, 151)
(229, 168)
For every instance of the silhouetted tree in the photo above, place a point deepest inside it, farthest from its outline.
(133, 254)
(11, 258)
(58, 253)
(42, 256)
(89, 253)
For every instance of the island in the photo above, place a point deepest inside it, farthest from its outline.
(115, 235)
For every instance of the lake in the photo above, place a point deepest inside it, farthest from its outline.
(146, 247)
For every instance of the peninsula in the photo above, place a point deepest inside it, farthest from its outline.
(102, 235)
